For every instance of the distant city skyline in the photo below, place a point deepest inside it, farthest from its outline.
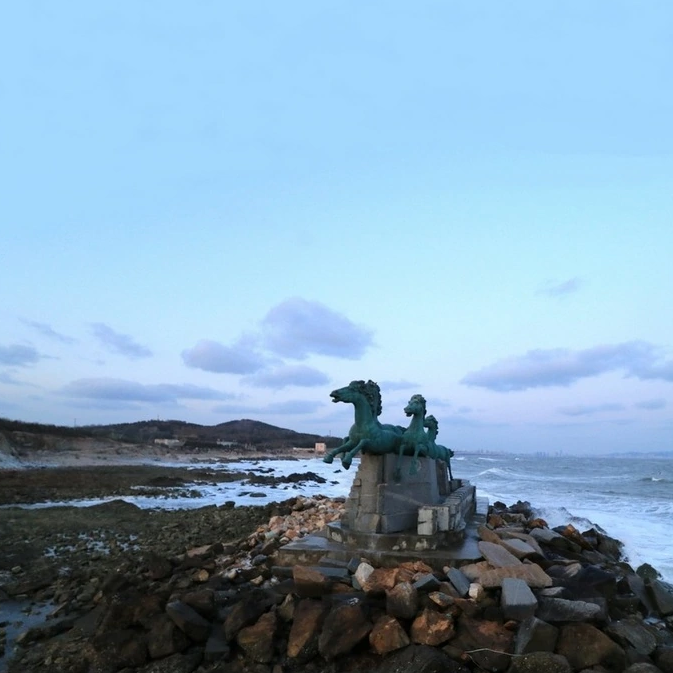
(223, 212)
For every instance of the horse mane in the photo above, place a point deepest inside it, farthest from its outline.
(371, 392)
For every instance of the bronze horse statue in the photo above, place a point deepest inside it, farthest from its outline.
(368, 435)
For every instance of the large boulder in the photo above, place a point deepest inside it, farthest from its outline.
(584, 646)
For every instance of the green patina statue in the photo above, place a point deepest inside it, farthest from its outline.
(368, 435)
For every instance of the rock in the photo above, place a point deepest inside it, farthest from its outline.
(380, 580)
(216, 647)
(203, 601)
(540, 662)
(122, 648)
(489, 643)
(287, 608)
(302, 644)
(476, 592)
(387, 635)
(663, 658)
(310, 582)
(530, 573)
(244, 613)
(662, 595)
(632, 633)
(257, 640)
(432, 628)
(189, 621)
(165, 638)
(642, 667)
(534, 635)
(562, 610)
(497, 555)
(158, 567)
(345, 626)
(517, 600)
(427, 582)
(441, 599)
(402, 601)
(362, 573)
(460, 582)
(584, 646)
(419, 659)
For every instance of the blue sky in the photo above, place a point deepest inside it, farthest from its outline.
(216, 212)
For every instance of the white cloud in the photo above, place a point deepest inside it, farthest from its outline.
(212, 356)
(297, 328)
(562, 366)
(590, 409)
(287, 375)
(132, 391)
(121, 344)
(17, 355)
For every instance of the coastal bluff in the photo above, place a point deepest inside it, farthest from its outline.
(536, 600)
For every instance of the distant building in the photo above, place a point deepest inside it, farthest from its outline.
(170, 443)
(320, 447)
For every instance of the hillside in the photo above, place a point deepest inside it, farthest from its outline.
(243, 432)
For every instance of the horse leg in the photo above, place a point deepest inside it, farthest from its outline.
(348, 457)
(329, 457)
(415, 463)
(397, 475)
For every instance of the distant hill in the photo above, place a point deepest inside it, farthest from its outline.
(244, 432)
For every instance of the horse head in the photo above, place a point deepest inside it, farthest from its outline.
(370, 391)
(416, 406)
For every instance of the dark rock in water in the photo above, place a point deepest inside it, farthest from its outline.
(165, 481)
(584, 646)
(420, 659)
(647, 572)
(540, 662)
(662, 595)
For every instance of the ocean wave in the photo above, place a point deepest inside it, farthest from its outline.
(661, 480)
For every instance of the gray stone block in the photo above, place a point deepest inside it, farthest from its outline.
(517, 600)
(562, 610)
(460, 583)
(497, 555)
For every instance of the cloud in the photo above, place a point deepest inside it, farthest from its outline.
(48, 331)
(562, 366)
(590, 409)
(17, 355)
(562, 289)
(290, 407)
(297, 328)
(212, 356)
(658, 403)
(287, 375)
(122, 344)
(8, 379)
(132, 391)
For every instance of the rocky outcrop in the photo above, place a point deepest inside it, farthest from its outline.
(557, 601)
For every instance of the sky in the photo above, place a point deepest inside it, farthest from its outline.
(212, 211)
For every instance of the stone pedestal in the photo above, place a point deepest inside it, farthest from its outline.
(387, 520)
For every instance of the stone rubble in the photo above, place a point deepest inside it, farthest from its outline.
(542, 600)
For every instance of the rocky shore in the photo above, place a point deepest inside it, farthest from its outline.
(200, 591)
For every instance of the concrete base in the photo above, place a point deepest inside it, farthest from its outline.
(385, 550)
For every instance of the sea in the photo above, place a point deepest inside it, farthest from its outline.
(630, 499)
